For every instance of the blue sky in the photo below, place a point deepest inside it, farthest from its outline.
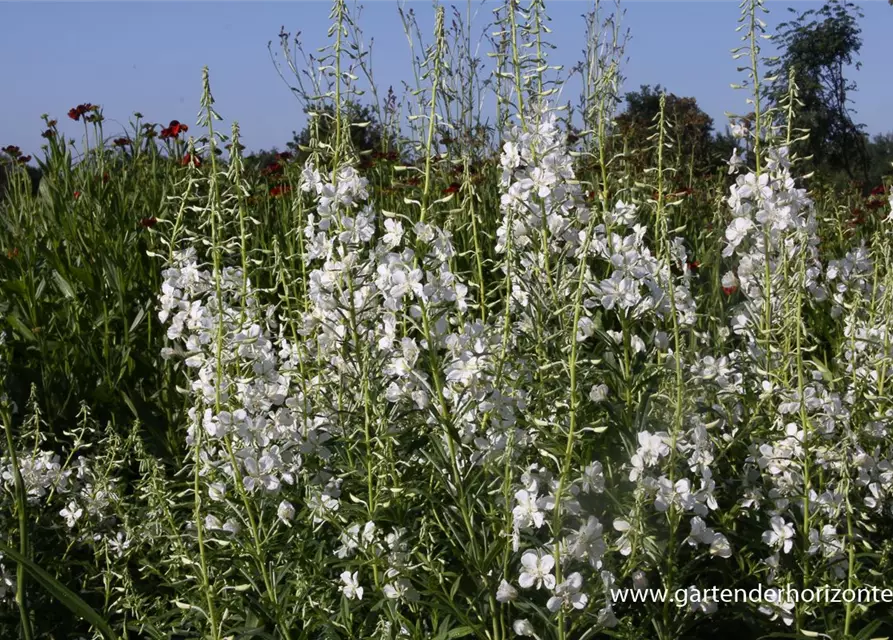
(147, 57)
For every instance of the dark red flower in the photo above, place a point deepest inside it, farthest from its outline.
(173, 130)
(12, 253)
(122, 142)
(279, 190)
(694, 265)
(730, 290)
(284, 155)
(24, 159)
(77, 194)
(272, 169)
(82, 109)
(49, 133)
(453, 188)
(12, 150)
(148, 223)
(189, 158)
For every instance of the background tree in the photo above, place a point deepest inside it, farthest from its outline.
(819, 45)
(368, 138)
(880, 159)
(691, 127)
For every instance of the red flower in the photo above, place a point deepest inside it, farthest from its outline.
(730, 290)
(12, 150)
(453, 188)
(189, 158)
(80, 110)
(49, 133)
(77, 194)
(273, 168)
(279, 190)
(173, 130)
(285, 155)
(148, 223)
(122, 142)
(25, 159)
(694, 265)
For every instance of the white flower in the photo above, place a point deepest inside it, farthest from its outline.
(393, 233)
(401, 588)
(622, 214)
(216, 491)
(537, 570)
(527, 513)
(351, 587)
(624, 545)
(71, 513)
(285, 512)
(506, 592)
(599, 392)
(730, 280)
(737, 160)
(524, 629)
(568, 594)
(720, 546)
(231, 526)
(736, 232)
(652, 447)
(119, 544)
(593, 478)
(780, 536)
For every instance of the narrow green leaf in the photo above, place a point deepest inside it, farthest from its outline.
(61, 593)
